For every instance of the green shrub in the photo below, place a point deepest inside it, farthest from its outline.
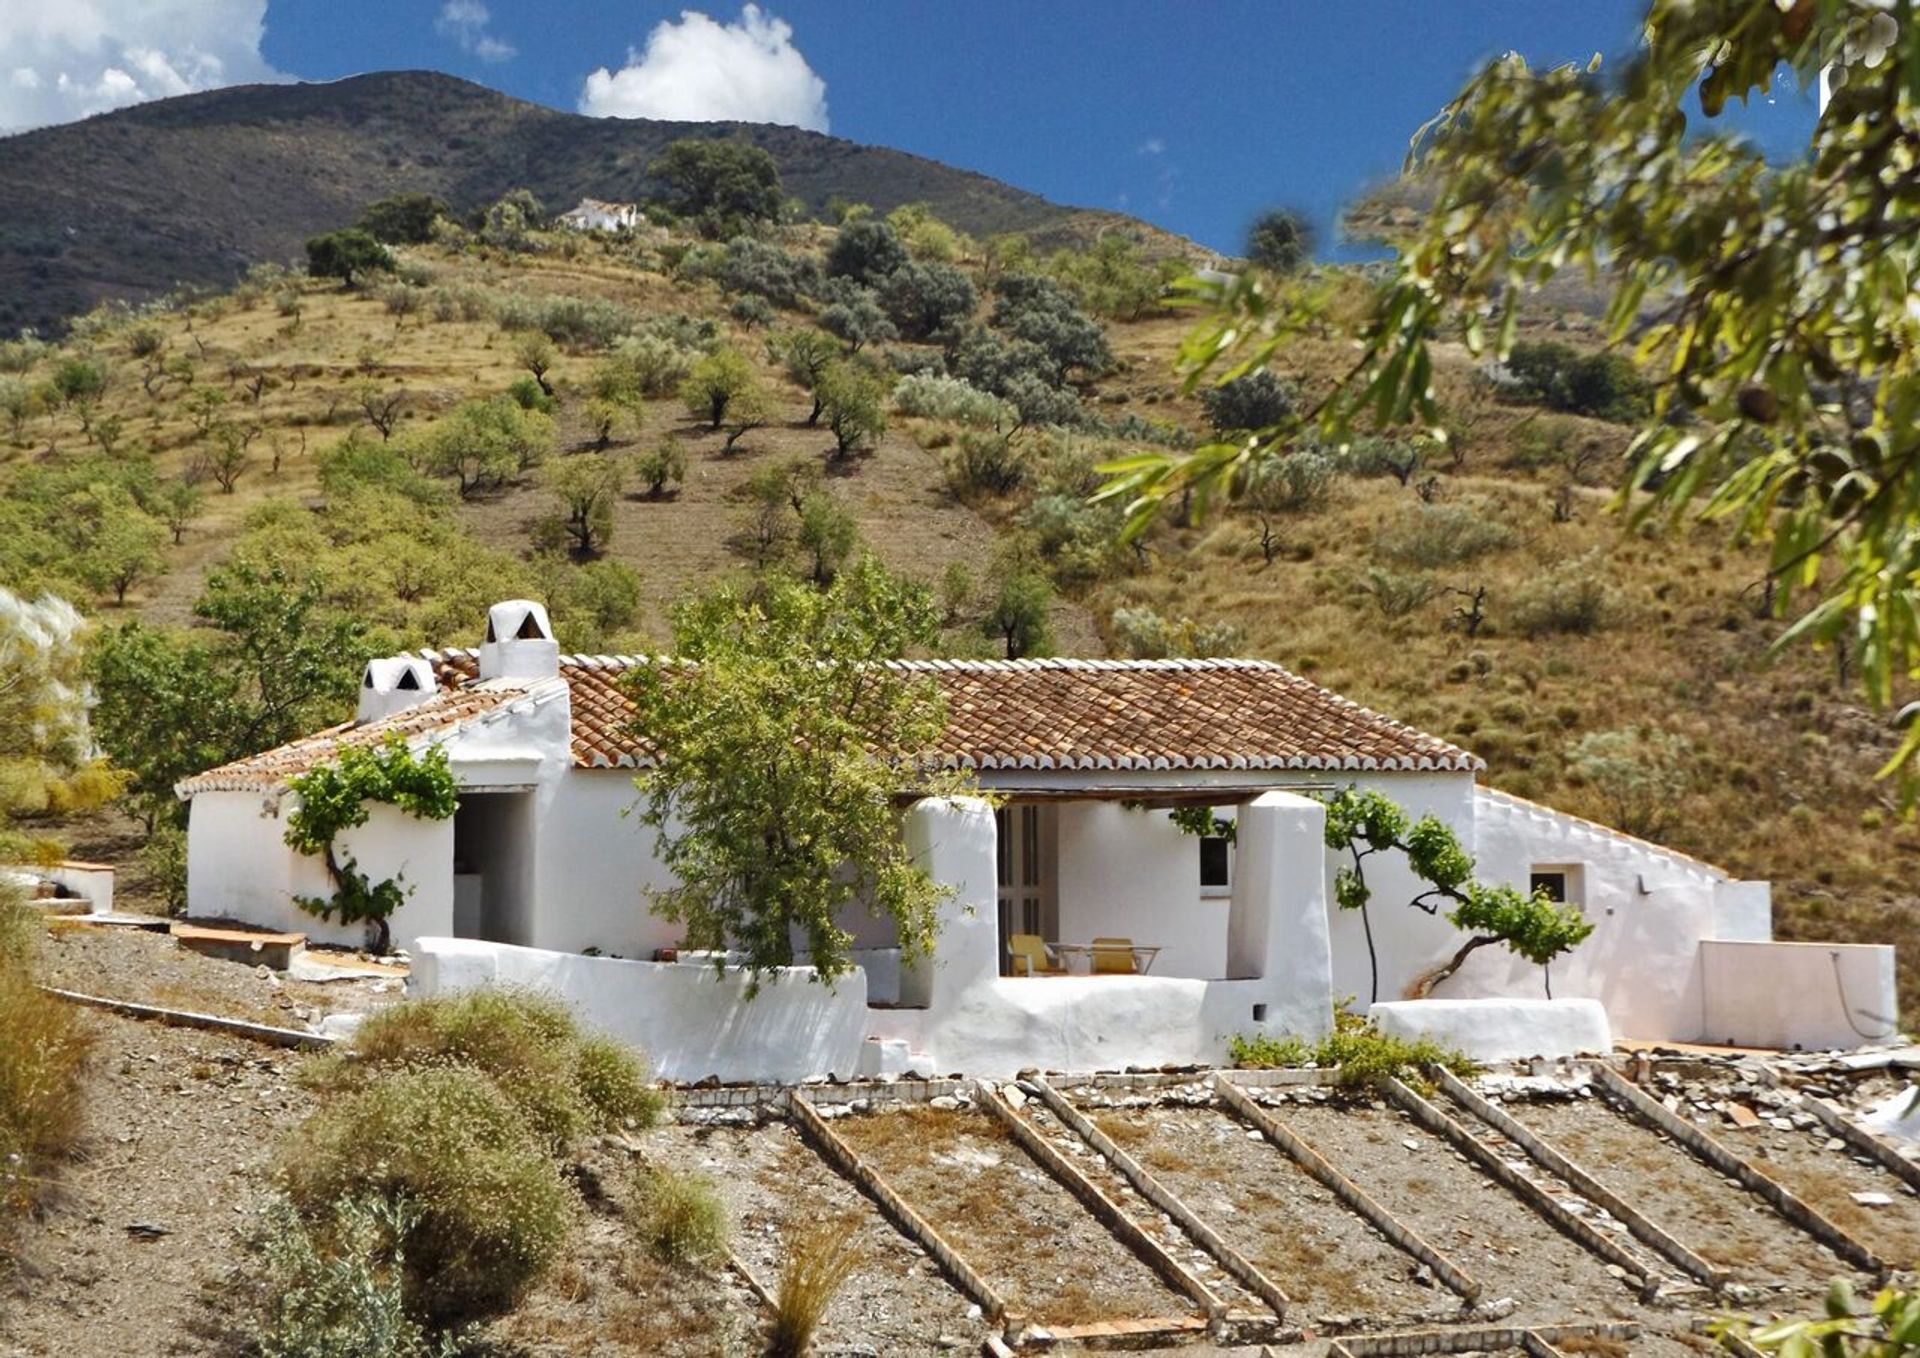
(1396, 595)
(1359, 1054)
(335, 1290)
(492, 1212)
(1142, 634)
(931, 397)
(1604, 385)
(1293, 484)
(983, 463)
(1570, 598)
(1256, 401)
(678, 1214)
(526, 393)
(1430, 536)
(564, 1081)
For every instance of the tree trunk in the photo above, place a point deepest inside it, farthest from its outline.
(1423, 985)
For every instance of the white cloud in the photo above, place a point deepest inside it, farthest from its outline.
(465, 21)
(1152, 146)
(68, 59)
(699, 70)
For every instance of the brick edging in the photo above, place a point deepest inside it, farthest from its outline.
(910, 1223)
(1581, 1231)
(1716, 1156)
(1345, 1189)
(1104, 1209)
(1835, 1119)
(187, 1018)
(1406, 1343)
(1163, 1198)
(1550, 1158)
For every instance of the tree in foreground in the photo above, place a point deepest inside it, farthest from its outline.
(1770, 300)
(778, 754)
(1362, 824)
(1886, 1327)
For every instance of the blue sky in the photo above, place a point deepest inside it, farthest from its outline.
(1194, 116)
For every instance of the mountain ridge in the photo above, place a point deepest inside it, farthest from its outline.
(191, 190)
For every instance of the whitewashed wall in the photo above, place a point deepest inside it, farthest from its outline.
(239, 867)
(1651, 909)
(592, 866)
(691, 1022)
(1135, 874)
(1805, 996)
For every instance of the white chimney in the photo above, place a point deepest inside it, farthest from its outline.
(519, 643)
(393, 684)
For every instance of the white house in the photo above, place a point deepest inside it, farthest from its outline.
(539, 877)
(594, 215)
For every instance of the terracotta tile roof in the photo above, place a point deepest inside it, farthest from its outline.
(1078, 714)
(444, 712)
(1023, 714)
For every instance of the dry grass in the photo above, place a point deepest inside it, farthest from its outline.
(818, 1265)
(44, 1047)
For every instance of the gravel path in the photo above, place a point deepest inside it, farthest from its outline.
(1820, 1170)
(1715, 1216)
(1032, 1240)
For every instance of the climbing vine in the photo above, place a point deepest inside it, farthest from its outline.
(1362, 824)
(337, 797)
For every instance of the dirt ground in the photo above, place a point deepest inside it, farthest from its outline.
(1714, 1216)
(775, 1187)
(1026, 1234)
(1339, 1272)
(1477, 1223)
(151, 968)
(1822, 1172)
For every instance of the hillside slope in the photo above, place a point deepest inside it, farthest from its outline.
(192, 190)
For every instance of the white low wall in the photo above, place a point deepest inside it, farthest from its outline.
(1789, 994)
(690, 1021)
(1501, 1029)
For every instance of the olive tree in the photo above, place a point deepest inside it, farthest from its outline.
(777, 758)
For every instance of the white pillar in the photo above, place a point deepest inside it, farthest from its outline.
(1277, 924)
(953, 840)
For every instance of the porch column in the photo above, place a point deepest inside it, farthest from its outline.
(1277, 923)
(953, 840)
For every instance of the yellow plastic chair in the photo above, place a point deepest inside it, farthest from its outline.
(1030, 957)
(1113, 957)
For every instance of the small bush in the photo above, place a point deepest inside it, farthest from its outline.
(1255, 401)
(1570, 598)
(1603, 385)
(1396, 595)
(985, 463)
(678, 1214)
(1293, 484)
(642, 367)
(1144, 635)
(564, 1081)
(493, 1213)
(336, 1292)
(819, 1265)
(662, 466)
(44, 1047)
(526, 393)
(929, 397)
(1359, 1054)
(1429, 536)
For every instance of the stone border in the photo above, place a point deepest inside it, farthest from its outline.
(754, 1285)
(1345, 1189)
(909, 1222)
(1836, 1121)
(1406, 1343)
(1168, 1079)
(1163, 1198)
(773, 1095)
(1103, 1208)
(186, 1018)
(1550, 1158)
(1717, 1157)
(1580, 1230)
(1539, 1347)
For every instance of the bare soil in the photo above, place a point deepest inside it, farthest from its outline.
(1477, 1223)
(1826, 1179)
(1030, 1238)
(1337, 1269)
(1713, 1215)
(151, 968)
(776, 1188)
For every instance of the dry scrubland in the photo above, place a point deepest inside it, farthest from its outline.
(1585, 626)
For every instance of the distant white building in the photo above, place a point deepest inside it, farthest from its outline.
(594, 215)
(538, 879)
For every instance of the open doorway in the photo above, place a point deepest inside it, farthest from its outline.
(493, 867)
(1029, 862)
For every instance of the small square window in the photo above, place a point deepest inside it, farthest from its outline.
(1553, 883)
(1564, 883)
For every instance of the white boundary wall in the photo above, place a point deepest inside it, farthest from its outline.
(690, 1021)
(1790, 994)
